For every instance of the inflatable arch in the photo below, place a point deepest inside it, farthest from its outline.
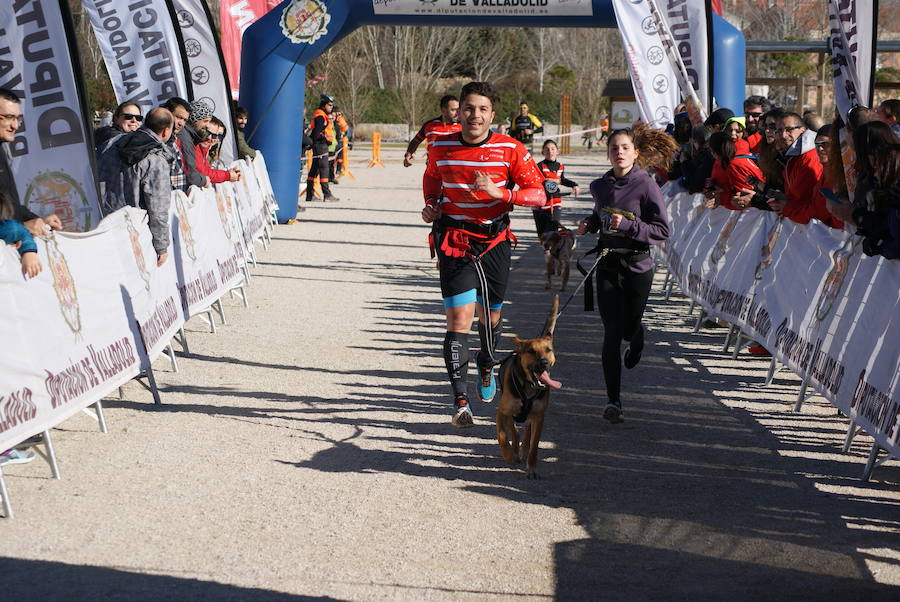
(277, 48)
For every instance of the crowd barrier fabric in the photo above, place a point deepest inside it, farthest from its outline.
(804, 291)
(101, 310)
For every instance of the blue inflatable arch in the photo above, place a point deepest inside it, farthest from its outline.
(273, 67)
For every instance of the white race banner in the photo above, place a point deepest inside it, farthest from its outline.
(53, 152)
(67, 336)
(509, 8)
(207, 67)
(208, 262)
(851, 39)
(142, 49)
(251, 204)
(805, 292)
(654, 81)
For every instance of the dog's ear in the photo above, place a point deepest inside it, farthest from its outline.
(550, 325)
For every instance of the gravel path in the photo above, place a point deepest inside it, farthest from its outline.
(306, 451)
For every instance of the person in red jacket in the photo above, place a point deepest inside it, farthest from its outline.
(802, 174)
(740, 171)
(718, 189)
(215, 132)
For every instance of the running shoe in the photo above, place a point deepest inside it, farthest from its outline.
(631, 358)
(614, 413)
(462, 416)
(487, 383)
(16, 456)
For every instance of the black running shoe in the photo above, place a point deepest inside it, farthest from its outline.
(614, 413)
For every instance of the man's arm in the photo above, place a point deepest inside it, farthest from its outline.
(801, 204)
(431, 190)
(413, 145)
(244, 149)
(525, 173)
(193, 175)
(538, 126)
(156, 197)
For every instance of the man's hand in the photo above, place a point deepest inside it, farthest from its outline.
(53, 221)
(742, 198)
(777, 205)
(430, 213)
(583, 227)
(407, 159)
(31, 265)
(575, 191)
(207, 182)
(234, 174)
(527, 131)
(483, 183)
(37, 226)
(161, 259)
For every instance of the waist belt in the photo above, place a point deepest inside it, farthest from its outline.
(624, 256)
(456, 234)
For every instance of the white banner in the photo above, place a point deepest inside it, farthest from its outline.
(654, 81)
(141, 48)
(851, 39)
(207, 68)
(101, 309)
(805, 292)
(251, 202)
(208, 262)
(53, 152)
(510, 8)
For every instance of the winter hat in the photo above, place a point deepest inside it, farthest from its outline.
(200, 110)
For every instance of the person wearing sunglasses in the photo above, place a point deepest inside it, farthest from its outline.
(754, 108)
(802, 174)
(126, 118)
(207, 152)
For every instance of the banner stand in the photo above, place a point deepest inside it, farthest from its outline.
(4, 494)
(97, 415)
(873, 462)
(49, 454)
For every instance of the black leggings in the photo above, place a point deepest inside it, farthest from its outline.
(621, 299)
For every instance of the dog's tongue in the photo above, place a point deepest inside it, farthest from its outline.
(545, 378)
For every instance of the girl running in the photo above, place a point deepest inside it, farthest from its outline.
(546, 218)
(630, 215)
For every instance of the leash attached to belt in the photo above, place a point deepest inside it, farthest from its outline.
(455, 243)
(627, 255)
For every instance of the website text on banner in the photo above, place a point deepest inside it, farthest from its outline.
(102, 310)
(804, 291)
(53, 148)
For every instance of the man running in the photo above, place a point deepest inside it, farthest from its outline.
(447, 123)
(466, 198)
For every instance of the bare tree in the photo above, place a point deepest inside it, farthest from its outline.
(348, 75)
(422, 55)
(372, 46)
(488, 52)
(595, 55)
(543, 47)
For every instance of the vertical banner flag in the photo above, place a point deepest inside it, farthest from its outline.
(851, 40)
(53, 153)
(141, 47)
(652, 76)
(234, 17)
(682, 29)
(207, 67)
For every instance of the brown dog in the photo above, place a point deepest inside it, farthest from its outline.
(525, 393)
(560, 246)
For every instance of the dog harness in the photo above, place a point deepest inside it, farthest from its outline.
(518, 388)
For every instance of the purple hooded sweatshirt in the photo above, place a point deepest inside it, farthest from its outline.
(637, 192)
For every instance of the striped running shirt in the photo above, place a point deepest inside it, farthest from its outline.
(451, 172)
(436, 127)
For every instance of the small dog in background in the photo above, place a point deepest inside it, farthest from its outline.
(525, 385)
(559, 245)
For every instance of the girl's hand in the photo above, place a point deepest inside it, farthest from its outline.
(31, 265)
(615, 220)
(575, 191)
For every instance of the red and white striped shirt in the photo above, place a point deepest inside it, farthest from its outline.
(436, 127)
(450, 174)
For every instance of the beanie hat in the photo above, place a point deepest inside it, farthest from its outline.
(200, 110)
